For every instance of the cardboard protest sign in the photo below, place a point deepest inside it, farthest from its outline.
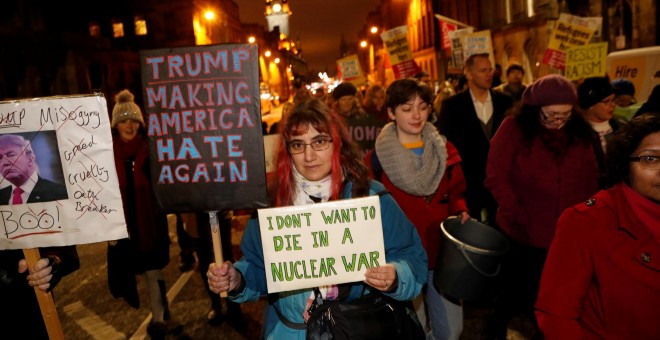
(364, 130)
(586, 61)
(478, 43)
(569, 31)
(457, 50)
(321, 244)
(398, 50)
(69, 169)
(350, 70)
(204, 127)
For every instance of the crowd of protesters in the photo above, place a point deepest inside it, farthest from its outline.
(568, 171)
(521, 158)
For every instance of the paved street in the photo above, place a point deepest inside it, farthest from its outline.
(88, 311)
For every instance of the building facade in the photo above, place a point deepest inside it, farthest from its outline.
(520, 29)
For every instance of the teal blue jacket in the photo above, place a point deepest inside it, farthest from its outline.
(403, 249)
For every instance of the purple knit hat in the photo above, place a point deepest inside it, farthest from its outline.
(552, 89)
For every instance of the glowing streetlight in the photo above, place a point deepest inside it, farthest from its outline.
(277, 60)
(251, 40)
(374, 29)
(267, 53)
(363, 43)
(209, 15)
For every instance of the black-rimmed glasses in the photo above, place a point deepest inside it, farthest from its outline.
(318, 144)
(648, 162)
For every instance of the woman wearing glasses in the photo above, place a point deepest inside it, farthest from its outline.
(602, 276)
(317, 162)
(541, 161)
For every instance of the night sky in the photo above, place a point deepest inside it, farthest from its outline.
(319, 25)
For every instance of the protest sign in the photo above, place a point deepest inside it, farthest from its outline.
(445, 29)
(364, 130)
(569, 31)
(398, 50)
(350, 70)
(477, 43)
(586, 61)
(321, 244)
(204, 127)
(457, 51)
(75, 198)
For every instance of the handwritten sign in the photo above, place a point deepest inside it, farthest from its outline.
(75, 198)
(586, 61)
(321, 244)
(364, 130)
(569, 31)
(204, 127)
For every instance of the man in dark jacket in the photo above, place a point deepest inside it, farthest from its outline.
(18, 166)
(469, 120)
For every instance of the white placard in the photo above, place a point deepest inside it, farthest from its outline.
(72, 145)
(321, 244)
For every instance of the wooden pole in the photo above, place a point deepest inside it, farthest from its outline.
(217, 244)
(452, 21)
(45, 299)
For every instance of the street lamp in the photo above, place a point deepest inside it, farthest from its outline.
(374, 29)
(267, 53)
(363, 43)
(209, 15)
(251, 39)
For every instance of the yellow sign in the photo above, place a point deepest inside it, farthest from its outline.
(396, 44)
(586, 61)
(350, 70)
(569, 32)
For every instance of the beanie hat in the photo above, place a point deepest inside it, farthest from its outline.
(552, 89)
(513, 67)
(623, 86)
(344, 89)
(125, 108)
(593, 90)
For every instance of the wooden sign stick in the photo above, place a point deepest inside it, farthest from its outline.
(217, 244)
(45, 299)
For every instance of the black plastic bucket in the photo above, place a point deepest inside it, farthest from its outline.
(469, 259)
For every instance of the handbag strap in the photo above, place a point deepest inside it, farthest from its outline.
(293, 325)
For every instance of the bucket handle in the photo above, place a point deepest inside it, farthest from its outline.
(497, 271)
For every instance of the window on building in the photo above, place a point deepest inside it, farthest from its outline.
(117, 29)
(140, 25)
(94, 29)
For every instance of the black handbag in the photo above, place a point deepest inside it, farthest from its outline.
(372, 316)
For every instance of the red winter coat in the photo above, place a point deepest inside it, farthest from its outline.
(531, 187)
(602, 276)
(426, 213)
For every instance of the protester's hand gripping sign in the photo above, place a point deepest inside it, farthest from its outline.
(60, 148)
(321, 244)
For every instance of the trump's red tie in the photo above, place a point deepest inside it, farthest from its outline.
(17, 199)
